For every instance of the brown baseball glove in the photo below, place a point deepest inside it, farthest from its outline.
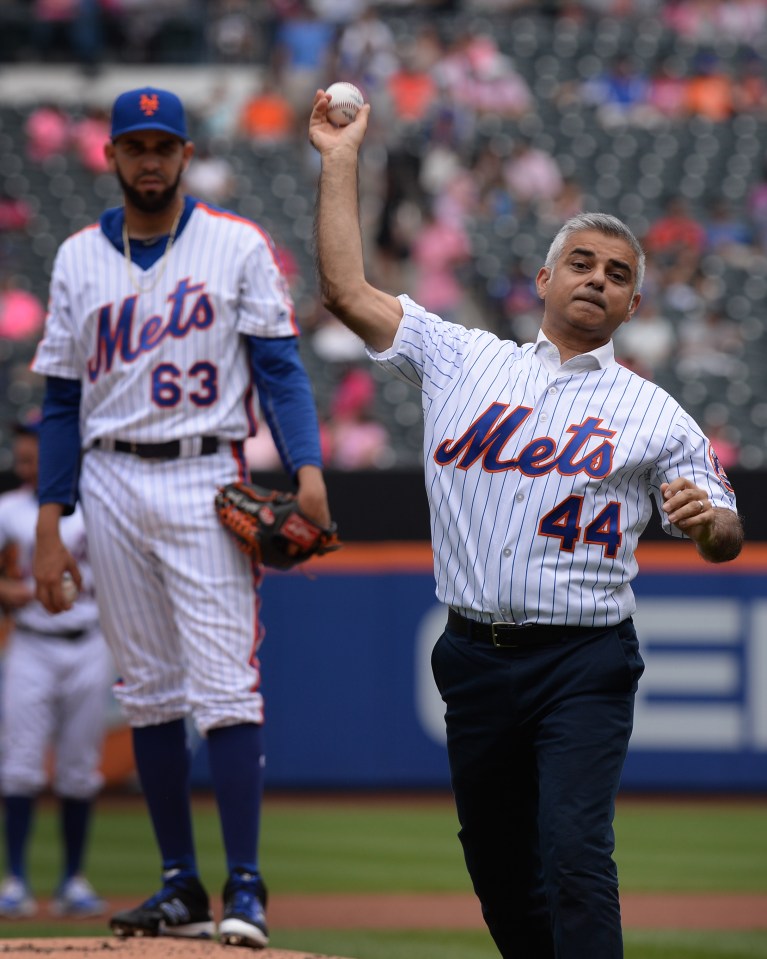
(268, 525)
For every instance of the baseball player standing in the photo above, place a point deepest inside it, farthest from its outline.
(161, 319)
(55, 691)
(541, 464)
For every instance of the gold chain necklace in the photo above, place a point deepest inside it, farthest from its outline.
(163, 262)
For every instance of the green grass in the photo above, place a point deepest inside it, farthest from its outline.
(367, 849)
(695, 945)
(695, 847)
(322, 848)
(326, 846)
(477, 945)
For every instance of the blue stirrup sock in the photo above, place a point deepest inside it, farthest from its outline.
(19, 812)
(74, 823)
(236, 765)
(163, 764)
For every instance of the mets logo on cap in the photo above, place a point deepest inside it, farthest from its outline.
(148, 109)
(149, 104)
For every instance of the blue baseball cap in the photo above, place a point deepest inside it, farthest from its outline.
(148, 109)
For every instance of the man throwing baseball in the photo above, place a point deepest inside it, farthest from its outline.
(162, 317)
(542, 462)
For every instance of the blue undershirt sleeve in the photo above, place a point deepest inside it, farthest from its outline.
(286, 399)
(59, 467)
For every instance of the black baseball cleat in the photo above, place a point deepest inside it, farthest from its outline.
(244, 919)
(180, 908)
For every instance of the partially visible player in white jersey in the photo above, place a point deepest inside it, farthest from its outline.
(542, 462)
(162, 319)
(56, 675)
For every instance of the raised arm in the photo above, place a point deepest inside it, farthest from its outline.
(370, 313)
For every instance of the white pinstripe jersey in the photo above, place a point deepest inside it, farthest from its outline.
(539, 476)
(168, 363)
(18, 519)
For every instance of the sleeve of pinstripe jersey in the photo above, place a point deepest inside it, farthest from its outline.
(56, 354)
(266, 305)
(424, 345)
(689, 454)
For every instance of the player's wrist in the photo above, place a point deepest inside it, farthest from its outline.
(310, 476)
(48, 517)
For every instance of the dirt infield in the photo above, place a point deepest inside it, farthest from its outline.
(164, 948)
(458, 911)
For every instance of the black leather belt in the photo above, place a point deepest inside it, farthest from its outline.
(156, 451)
(69, 634)
(511, 636)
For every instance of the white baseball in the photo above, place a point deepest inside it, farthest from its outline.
(345, 102)
(68, 589)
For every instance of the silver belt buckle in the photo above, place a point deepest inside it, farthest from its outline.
(501, 628)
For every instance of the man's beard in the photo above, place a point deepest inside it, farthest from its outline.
(150, 203)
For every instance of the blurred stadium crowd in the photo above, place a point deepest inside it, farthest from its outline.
(493, 121)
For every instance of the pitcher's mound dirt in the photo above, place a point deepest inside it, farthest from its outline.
(163, 947)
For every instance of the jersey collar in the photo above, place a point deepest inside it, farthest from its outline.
(548, 355)
(111, 224)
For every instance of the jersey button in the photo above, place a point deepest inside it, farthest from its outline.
(506, 552)
(544, 416)
(519, 497)
(553, 390)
